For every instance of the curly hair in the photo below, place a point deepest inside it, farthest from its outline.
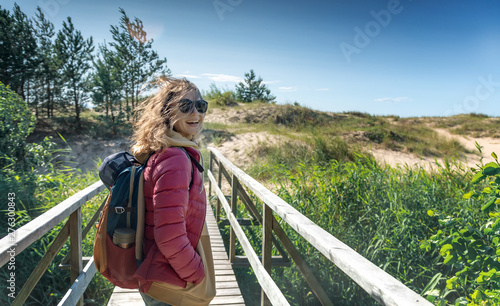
(157, 116)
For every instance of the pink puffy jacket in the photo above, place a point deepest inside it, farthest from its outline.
(175, 216)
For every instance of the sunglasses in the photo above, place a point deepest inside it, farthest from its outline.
(186, 105)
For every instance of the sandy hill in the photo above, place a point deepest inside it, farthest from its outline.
(236, 139)
(241, 131)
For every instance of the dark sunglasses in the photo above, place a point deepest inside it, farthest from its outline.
(186, 105)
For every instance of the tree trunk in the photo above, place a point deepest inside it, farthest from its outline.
(77, 108)
(48, 98)
(28, 92)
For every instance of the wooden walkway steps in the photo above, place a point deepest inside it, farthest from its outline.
(228, 292)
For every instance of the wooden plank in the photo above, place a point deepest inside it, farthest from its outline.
(230, 284)
(42, 266)
(75, 238)
(124, 297)
(34, 230)
(234, 201)
(225, 300)
(219, 184)
(228, 292)
(225, 278)
(210, 168)
(379, 284)
(76, 290)
(224, 272)
(267, 228)
(218, 249)
(220, 256)
(275, 295)
(224, 267)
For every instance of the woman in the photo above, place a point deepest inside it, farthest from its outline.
(173, 186)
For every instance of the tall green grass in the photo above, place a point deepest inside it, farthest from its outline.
(379, 212)
(51, 189)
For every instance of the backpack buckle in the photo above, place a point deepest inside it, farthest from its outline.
(119, 210)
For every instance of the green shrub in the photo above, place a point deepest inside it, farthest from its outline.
(16, 123)
(220, 97)
(469, 243)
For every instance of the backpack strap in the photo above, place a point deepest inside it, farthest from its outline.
(129, 208)
(131, 191)
(141, 213)
(195, 162)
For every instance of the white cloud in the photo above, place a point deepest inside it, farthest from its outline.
(287, 88)
(223, 77)
(395, 100)
(189, 76)
(270, 82)
(323, 89)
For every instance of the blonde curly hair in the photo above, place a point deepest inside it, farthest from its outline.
(158, 115)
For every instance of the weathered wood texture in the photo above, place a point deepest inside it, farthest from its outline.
(266, 282)
(35, 229)
(380, 285)
(42, 266)
(75, 292)
(228, 292)
(29, 233)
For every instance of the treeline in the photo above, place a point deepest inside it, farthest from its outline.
(56, 71)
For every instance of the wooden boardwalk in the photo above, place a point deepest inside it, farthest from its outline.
(228, 292)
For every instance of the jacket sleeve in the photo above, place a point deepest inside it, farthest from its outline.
(170, 200)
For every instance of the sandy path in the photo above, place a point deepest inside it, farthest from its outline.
(85, 153)
(489, 144)
(240, 149)
(394, 159)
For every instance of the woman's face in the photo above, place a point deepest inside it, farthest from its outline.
(189, 124)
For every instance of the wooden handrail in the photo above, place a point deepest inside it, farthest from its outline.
(76, 290)
(267, 284)
(35, 229)
(379, 284)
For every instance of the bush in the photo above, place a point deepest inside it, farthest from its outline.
(218, 97)
(469, 243)
(16, 123)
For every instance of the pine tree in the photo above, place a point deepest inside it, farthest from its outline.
(140, 63)
(46, 77)
(75, 54)
(106, 81)
(18, 49)
(253, 89)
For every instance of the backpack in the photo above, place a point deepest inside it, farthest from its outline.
(120, 232)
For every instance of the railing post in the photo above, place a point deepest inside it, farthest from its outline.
(75, 237)
(234, 209)
(267, 235)
(219, 184)
(210, 167)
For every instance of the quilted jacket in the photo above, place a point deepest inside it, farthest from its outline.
(175, 214)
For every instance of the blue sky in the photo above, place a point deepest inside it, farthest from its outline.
(405, 58)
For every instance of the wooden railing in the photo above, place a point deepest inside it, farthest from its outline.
(24, 236)
(381, 286)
